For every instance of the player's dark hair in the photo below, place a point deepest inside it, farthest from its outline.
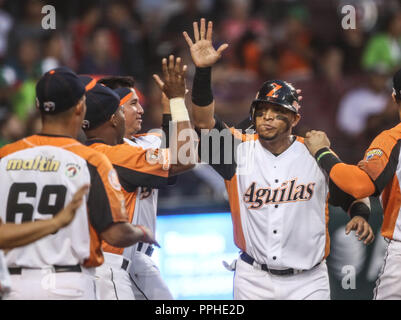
(118, 82)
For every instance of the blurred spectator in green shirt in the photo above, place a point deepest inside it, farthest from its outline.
(385, 48)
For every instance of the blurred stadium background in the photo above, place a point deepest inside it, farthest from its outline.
(345, 76)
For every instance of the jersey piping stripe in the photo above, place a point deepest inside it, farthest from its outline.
(327, 247)
(232, 189)
(391, 200)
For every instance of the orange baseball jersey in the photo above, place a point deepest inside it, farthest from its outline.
(379, 173)
(40, 174)
(279, 203)
(136, 167)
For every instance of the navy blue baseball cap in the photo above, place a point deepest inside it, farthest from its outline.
(101, 104)
(124, 93)
(58, 90)
(88, 81)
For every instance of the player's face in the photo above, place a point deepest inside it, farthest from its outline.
(272, 121)
(133, 112)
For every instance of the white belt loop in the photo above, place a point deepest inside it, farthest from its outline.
(116, 260)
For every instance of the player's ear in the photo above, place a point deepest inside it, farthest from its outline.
(113, 120)
(81, 106)
(297, 118)
(393, 96)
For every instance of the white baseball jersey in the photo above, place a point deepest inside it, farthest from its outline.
(146, 200)
(279, 204)
(40, 174)
(145, 275)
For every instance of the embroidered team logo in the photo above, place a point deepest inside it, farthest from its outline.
(85, 124)
(72, 170)
(49, 106)
(158, 156)
(113, 179)
(289, 191)
(374, 152)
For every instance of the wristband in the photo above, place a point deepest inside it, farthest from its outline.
(322, 155)
(359, 209)
(202, 95)
(178, 109)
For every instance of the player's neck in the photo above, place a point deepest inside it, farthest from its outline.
(278, 145)
(59, 129)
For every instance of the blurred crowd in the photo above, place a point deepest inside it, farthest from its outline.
(344, 74)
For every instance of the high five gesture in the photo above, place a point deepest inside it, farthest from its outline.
(202, 51)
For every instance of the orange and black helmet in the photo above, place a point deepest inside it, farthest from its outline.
(277, 92)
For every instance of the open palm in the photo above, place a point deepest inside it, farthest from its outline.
(202, 52)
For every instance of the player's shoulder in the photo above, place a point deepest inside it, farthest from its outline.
(387, 139)
(92, 155)
(148, 140)
(12, 148)
(299, 139)
(149, 135)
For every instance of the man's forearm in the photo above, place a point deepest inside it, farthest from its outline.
(17, 235)
(122, 235)
(182, 148)
(202, 99)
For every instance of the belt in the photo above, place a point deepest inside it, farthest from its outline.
(149, 249)
(286, 272)
(56, 269)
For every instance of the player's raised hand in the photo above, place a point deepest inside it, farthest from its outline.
(173, 83)
(316, 140)
(65, 216)
(202, 52)
(362, 229)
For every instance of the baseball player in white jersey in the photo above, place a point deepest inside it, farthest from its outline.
(39, 174)
(145, 275)
(139, 177)
(378, 173)
(18, 235)
(278, 194)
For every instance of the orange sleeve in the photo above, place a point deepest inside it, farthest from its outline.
(373, 173)
(352, 180)
(136, 166)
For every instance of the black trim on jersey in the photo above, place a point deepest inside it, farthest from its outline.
(166, 129)
(172, 180)
(339, 198)
(131, 179)
(92, 141)
(227, 171)
(388, 172)
(53, 135)
(100, 214)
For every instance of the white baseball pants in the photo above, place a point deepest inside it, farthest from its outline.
(388, 284)
(112, 281)
(147, 281)
(44, 284)
(251, 283)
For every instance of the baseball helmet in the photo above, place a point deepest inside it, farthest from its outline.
(277, 92)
